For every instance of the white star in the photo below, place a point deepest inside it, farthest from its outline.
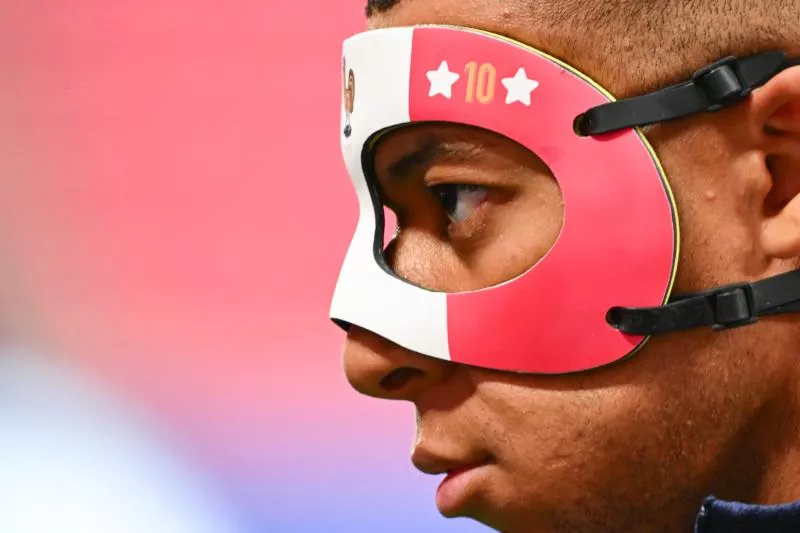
(520, 88)
(442, 81)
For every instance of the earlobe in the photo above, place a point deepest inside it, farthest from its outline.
(777, 108)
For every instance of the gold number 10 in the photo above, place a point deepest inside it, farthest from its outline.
(481, 82)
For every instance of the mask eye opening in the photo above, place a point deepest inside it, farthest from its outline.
(382, 238)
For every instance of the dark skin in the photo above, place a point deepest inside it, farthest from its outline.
(631, 447)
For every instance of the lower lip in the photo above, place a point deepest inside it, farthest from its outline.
(454, 491)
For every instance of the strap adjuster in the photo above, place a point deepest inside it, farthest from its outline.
(723, 83)
(734, 307)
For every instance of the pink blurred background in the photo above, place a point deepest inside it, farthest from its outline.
(173, 211)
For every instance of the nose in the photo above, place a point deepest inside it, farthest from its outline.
(381, 369)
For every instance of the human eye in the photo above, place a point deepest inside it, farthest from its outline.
(459, 201)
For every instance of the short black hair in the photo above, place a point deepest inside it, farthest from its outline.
(379, 6)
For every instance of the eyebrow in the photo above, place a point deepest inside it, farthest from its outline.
(379, 6)
(429, 152)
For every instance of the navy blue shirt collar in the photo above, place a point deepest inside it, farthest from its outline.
(718, 516)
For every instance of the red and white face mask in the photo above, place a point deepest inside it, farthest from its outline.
(618, 246)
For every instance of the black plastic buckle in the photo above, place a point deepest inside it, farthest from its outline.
(734, 307)
(723, 83)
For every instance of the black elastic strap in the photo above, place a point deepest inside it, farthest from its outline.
(722, 84)
(724, 308)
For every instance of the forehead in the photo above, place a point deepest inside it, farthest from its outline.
(447, 11)
(521, 20)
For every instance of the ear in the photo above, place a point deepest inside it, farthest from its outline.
(776, 107)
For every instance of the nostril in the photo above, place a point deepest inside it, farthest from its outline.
(399, 378)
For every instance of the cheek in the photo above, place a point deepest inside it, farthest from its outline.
(627, 433)
(550, 430)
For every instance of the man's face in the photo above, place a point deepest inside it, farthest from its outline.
(640, 442)
(350, 92)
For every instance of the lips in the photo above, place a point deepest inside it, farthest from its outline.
(435, 463)
(453, 473)
(464, 476)
(459, 488)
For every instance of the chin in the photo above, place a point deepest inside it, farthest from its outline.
(513, 526)
(507, 517)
